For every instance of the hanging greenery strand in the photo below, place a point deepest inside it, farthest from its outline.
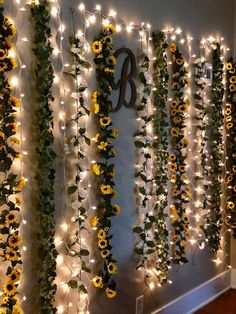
(78, 142)
(10, 184)
(144, 178)
(160, 150)
(230, 125)
(181, 191)
(213, 219)
(103, 170)
(45, 175)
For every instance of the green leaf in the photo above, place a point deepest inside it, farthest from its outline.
(72, 189)
(72, 284)
(137, 229)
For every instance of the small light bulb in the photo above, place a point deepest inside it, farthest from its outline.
(81, 7)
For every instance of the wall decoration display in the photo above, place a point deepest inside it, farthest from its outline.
(45, 175)
(230, 128)
(181, 190)
(213, 219)
(103, 169)
(11, 184)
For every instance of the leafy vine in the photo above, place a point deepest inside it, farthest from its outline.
(213, 218)
(181, 192)
(77, 248)
(11, 185)
(230, 124)
(160, 148)
(104, 170)
(45, 156)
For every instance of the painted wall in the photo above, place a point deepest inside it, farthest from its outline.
(199, 18)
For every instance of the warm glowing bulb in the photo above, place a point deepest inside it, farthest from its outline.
(60, 309)
(14, 81)
(151, 285)
(112, 13)
(54, 11)
(98, 7)
(118, 28)
(92, 19)
(81, 7)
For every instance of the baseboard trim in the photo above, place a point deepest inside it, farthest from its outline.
(233, 278)
(198, 297)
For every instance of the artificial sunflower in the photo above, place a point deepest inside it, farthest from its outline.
(172, 47)
(112, 268)
(111, 28)
(112, 60)
(177, 120)
(102, 243)
(115, 132)
(106, 189)
(174, 132)
(108, 70)
(186, 80)
(173, 112)
(179, 61)
(2, 54)
(186, 220)
(2, 311)
(232, 79)
(229, 125)
(101, 234)
(116, 209)
(15, 275)
(232, 87)
(9, 288)
(94, 221)
(230, 205)
(97, 169)
(95, 108)
(183, 243)
(10, 254)
(182, 108)
(172, 157)
(228, 111)
(174, 85)
(13, 62)
(174, 104)
(173, 178)
(14, 240)
(105, 121)
(2, 136)
(20, 184)
(173, 167)
(98, 282)
(103, 145)
(175, 193)
(110, 293)
(182, 168)
(14, 140)
(228, 118)
(11, 218)
(97, 46)
(17, 310)
(105, 253)
(229, 66)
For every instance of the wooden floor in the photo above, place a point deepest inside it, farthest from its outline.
(225, 304)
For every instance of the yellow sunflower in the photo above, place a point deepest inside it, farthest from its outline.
(228, 111)
(11, 218)
(230, 205)
(9, 287)
(112, 268)
(94, 221)
(229, 66)
(115, 132)
(97, 282)
(97, 46)
(2, 136)
(182, 168)
(112, 59)
(172, 157)
(173, 112)
(179, 61)
(10, 254)
(228, 118)
(3, 311)
(15, 240)
(182, 108)
(106, 189)
(101, 234)
(175, 193)
(177, 120)
(186, 220)
(174, 132)
(20, 184)
(102, 243)
(103, 145)
(173, 178)
(229, 125)
(173, 167)
(110, 293)
(14, 140)
(174, 104)
(234, 188)
(105, 253)
(111, 28)
(172, 47)
(186, 80)
(97, 169)
(232, 87)
(174, 85)
(95, 108)
(183, 243)
(17, 310)
(116, 209)
(2, 54)
(15, 275)
(232, 79)
(105, 121)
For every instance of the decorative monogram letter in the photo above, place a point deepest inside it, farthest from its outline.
(126, 77)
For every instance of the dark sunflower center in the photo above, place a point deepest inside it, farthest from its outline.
(9, 287)
(11, 217)
(13, 276)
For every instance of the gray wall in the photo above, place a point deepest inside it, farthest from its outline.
(199, 18)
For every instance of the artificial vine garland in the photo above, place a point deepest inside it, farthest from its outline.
(213, 218)
(11, 185)
(181, 192)
(143, 142)
(230, 125)
(103, 169)
(160, 149)
(78, 249)
(45, 157)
